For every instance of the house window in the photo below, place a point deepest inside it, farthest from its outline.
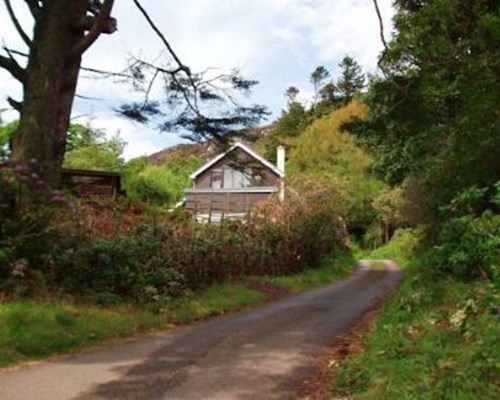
(216, 179)
(235, 179)
(258, 179)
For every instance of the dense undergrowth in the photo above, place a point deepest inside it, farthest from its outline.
(112, 252)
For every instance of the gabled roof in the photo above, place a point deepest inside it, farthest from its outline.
(247, 150)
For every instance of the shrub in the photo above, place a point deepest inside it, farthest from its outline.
(469, 247)
(31, 231)
(134, 267)
(468, 243)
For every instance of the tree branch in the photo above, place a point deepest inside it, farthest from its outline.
(100, 25)
(11, 65)
(105, 74)
(16, 105)
(162, 37)
(381, 24)
(16, 23)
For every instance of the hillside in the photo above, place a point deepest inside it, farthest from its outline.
(205, 150)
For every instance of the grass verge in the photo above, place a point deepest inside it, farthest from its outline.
(336, 266)
(32, 330)
(215, 300)
(436, 339)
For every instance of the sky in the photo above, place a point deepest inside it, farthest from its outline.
(277, 42)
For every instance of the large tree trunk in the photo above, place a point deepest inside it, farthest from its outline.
(49, 88)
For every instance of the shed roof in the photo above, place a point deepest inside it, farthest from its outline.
(247, 150)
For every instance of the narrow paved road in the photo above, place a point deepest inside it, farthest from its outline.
(263, 353)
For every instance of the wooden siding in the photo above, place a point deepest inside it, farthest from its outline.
(242, 160)
(225, 201)
(84, 183)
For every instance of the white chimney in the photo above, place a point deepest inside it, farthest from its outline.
(280, 163)
(280, 158)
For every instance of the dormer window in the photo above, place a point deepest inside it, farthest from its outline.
(216, 178)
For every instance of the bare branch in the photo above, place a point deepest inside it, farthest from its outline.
(150, 87)
(16, 23)
(11, 65)
(381, 24)
(105, 74)
(162, 38)
(80, 96)
(100, 25)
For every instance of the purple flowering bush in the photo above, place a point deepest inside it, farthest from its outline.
(35, 224)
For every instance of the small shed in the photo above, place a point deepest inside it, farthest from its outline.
(234, 181)
(84, 183)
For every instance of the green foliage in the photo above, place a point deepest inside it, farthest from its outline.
(430, 117)
(401, 248)
(83, 136)
(91, 150)
(138, 267)
(323, 152)
(31, 330)
(6, 132)
(336, 265)
(161, 184)
(431, 125)
(436, 339)
(469, 247)
(86, 147)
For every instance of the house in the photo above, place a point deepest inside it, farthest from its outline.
(234, 181)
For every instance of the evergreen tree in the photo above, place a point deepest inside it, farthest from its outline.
(351, 81)
(317, 78)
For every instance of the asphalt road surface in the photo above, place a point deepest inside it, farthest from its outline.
(263, 353)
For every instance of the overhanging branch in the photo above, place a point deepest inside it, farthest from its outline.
(181, 66)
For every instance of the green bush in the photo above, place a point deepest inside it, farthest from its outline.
(135, 267)
(469, 247)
